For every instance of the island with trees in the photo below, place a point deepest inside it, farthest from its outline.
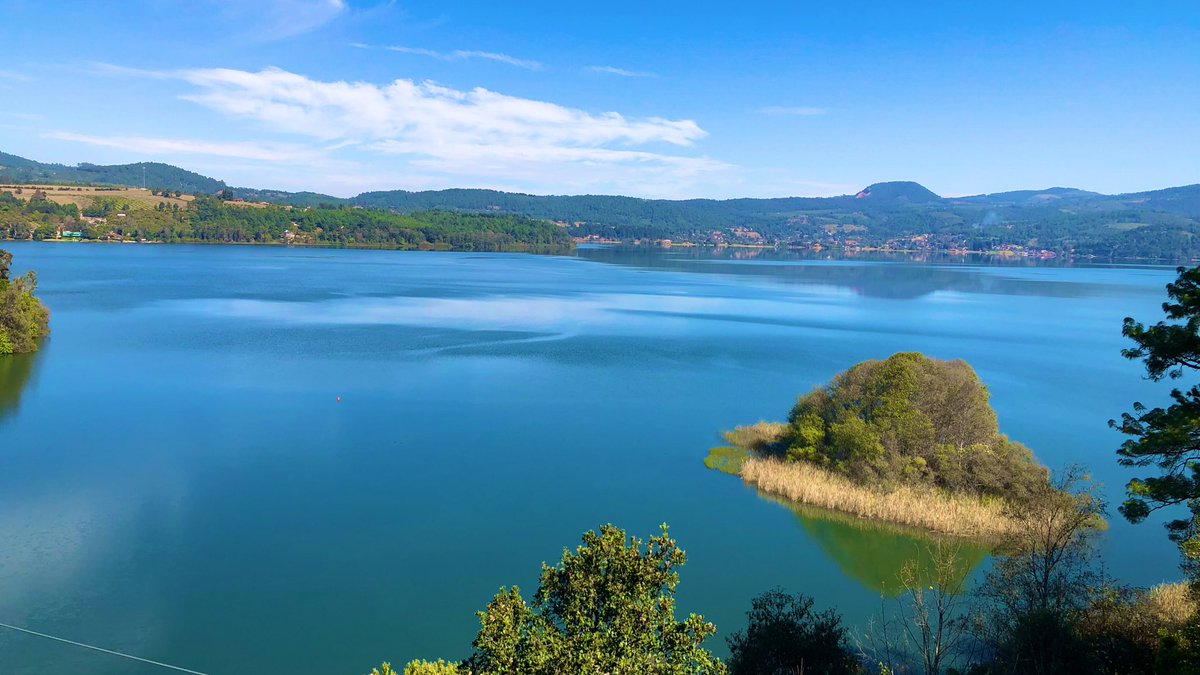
(908, 440)
(24, 320)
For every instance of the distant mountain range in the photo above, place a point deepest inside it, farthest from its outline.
(1161, 224)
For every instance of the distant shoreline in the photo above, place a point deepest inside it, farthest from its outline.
(277, 244)
(841, 254)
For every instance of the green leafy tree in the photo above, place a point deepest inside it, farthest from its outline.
(911, 419)
(1167, 438)
(785, 635)
(608, 607)
(23, 318)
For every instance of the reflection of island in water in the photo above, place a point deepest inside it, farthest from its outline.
(878, 275)
(872, 553)
(16, 370)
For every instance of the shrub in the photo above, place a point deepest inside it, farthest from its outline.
(785, 635)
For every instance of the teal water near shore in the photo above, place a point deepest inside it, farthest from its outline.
(178, 479)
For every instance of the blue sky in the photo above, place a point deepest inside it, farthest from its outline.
(659, 99)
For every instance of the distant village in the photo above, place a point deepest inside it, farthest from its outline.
(842, 239)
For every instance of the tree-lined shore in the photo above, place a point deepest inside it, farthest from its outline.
(162, 217)
(898, 215)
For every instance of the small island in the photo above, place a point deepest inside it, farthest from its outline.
(909, 440)
(24, 320)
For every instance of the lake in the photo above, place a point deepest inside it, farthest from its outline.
(179, 479)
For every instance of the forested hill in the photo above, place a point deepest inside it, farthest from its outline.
(137, 215)
(1162, 224)
(18, 170)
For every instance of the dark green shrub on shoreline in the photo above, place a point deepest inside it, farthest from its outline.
(785, 634)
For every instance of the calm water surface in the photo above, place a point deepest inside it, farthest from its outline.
(178, 479)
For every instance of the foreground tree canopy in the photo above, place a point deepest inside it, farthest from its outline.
(23, 318)
(1168, 438)
(607, 607)
(915, 420)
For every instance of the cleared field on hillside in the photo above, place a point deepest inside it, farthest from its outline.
(84, 196)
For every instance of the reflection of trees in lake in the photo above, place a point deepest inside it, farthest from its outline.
(16, 370)
(871, 275)
(873, 554)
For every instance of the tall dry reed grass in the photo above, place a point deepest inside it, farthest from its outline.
(926, 509)
(1170, 604)
(759, 438)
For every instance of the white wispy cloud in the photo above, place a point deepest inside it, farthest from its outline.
(114, 70)
(15, 76)
(411, 50)
(279, 19)
(493, 56)
(613, 70)
(459, 55)
(793, 110)
(423, 116)
(446, 136)
(269, 152)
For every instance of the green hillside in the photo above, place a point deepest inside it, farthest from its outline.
(18, 170)
(902, 215)
(34, 215)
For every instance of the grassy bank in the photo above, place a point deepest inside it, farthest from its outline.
(926, 509)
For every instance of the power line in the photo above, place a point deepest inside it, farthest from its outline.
(101, 649)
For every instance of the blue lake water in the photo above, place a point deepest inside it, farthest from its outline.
(178, 479)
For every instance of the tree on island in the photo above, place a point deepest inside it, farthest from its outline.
(23, 318)
(911, 419)
(908, 440)
(1168, 438)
